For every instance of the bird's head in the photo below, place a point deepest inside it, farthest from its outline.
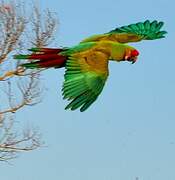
(131, 55)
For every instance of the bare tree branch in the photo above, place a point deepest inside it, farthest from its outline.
(20, 88)
(12, 25)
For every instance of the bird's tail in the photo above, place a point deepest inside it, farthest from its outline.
(43, 58)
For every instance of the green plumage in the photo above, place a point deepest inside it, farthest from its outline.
(35, 49)
(132, 33)
(78, 48)
(147, 30)
(21, 56)
(30, 65)
(82, 88)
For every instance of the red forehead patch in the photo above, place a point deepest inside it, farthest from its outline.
(134, 53)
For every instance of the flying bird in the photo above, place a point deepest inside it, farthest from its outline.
(86, 64)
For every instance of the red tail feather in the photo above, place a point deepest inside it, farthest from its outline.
(47, 57)
(53, 63)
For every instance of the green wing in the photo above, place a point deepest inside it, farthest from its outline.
(133, 33)
(84, 80)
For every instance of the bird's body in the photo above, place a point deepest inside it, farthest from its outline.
(87, 63)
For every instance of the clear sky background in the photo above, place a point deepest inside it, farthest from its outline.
(129, 131)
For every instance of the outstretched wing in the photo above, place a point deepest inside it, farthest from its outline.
(85, 78)
(132, 33)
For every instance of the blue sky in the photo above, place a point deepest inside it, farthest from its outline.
(129, 131)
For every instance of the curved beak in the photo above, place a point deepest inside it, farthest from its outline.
(131, 59)
(134, 59)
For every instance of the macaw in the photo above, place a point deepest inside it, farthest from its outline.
(86, 64)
